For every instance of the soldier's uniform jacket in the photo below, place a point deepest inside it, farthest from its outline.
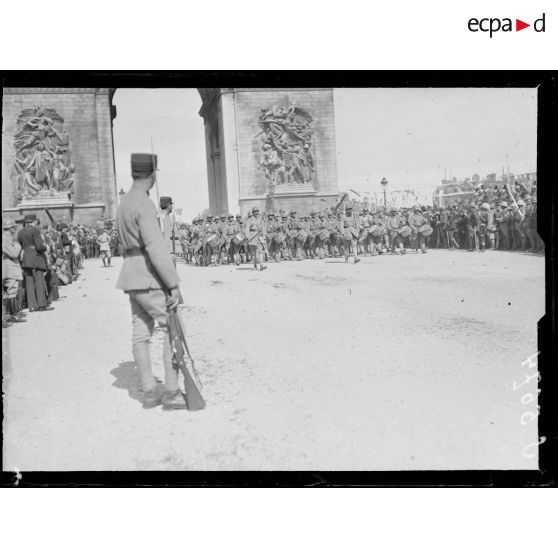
(443, 219)
(168, 229)
(11, 269)
(351, 226)
(252, 226)
(490, 223)
(232, 229)
(416, 221)
(33, 248)
(271, 226)
(147, 261)
(293, 225)
(394, 223)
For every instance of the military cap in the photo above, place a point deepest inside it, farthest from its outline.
(366, 210)
(293, 212)
(349, 207)
(238, 216)
(416, 208)
(165, 201)
(20, 219)
(485, 205)
(503, 204)
(231, 216)
(8, 224)
(143, 162)
(255, 210)
(210, 216)
(270, 215)
(520, 202)
(223, 216)
(30, 218)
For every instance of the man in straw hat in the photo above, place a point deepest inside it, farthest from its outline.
(149, 277)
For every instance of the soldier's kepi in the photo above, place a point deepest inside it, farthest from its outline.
(150, 279)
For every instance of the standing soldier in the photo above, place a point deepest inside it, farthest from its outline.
(487, 217)
(210, 237)
(197, 241)
(394, 225)
(104, 247)
(294, 229)
(283, 227)
(367, 244)
(11, 274)
(149, 277)
(255, 235)
(350, 224)
(322, 235)
(452, 227)
(237, 239)
(518, 215)
(270, 243)
(230, 230)
(166, 205)
(416, 221)
(502, 219)
(184, 239)
(473, 228)
(530, 225)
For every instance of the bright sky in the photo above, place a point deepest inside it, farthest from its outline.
(407, 135)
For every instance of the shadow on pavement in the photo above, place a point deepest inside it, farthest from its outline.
(128, 378)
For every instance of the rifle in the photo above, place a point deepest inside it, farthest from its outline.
(514, 202)
(343, 198)
(179, 347)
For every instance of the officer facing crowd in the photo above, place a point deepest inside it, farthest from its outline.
(148, 276)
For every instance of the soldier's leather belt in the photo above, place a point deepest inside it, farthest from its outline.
(134, 252)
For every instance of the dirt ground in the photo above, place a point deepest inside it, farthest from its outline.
(396, 363)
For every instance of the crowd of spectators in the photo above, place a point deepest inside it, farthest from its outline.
(38, 259)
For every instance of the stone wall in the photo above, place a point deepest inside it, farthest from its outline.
(87, 114)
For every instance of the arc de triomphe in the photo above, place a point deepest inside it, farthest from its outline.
(264, 147)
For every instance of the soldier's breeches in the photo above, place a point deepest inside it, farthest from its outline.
(148, 307)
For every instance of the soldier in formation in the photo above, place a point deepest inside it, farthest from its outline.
(352, 233)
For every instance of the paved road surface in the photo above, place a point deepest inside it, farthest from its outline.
(397, 363)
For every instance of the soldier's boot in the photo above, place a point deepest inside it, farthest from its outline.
(104, 262)
(401, 249)
(423, 247)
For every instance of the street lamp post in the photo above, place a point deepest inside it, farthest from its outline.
(384, 184)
